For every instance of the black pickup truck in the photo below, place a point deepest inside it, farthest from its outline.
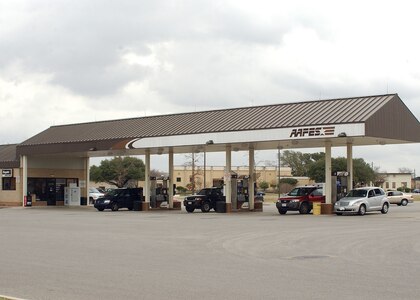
(206, 199)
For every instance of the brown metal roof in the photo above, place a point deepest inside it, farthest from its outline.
(8, 156)
(348, 110)
(384, 116)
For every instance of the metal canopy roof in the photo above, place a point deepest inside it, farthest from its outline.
(369, 120)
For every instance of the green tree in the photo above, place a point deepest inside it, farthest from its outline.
(362, 171)
(291, 181)
(264, 185)
(118, 171)
(299, 162)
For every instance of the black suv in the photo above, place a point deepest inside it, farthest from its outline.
(119, 198)
(205, 199)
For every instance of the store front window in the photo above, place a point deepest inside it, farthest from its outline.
(8, 184)
(49, 189)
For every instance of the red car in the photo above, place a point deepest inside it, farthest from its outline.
(300, 199)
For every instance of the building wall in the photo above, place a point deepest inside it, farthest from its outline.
(12, 197)
(45, 168)
(183, 174)
(393, 181)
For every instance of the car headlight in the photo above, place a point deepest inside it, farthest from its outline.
(337, 203)
(296, 200)
(107, 201)
(198, 199)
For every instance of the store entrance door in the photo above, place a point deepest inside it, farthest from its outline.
(51, 192)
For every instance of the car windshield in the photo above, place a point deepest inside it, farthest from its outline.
(114, 193)
(299, 192)
(357, 193)
(93, 190)
(202, 192)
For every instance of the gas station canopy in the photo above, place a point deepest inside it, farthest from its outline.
(369, 120)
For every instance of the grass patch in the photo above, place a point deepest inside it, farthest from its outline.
(416, 197)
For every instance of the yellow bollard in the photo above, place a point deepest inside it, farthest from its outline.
(316, 208)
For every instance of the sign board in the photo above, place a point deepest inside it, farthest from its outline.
(7, 173)
(340, 174)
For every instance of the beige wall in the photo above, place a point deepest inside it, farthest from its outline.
(268, 174)
(14, 197)
(393, 181)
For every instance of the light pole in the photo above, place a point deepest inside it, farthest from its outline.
(209, 142)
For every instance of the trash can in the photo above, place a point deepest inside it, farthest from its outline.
(220, 206)
(316, 208)
(83, 201)
(137, 205)
(28, 201)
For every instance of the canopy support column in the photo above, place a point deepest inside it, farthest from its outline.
(171, 179)
(24, 164)
(327, 208)
(146, 190)
(227, 179)
(350, 166)
(251, 183)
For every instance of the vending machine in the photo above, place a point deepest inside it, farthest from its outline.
(72, 195)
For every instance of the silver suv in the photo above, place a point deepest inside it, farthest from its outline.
(362, 200)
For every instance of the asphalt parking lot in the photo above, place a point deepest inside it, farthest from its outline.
(79, 253)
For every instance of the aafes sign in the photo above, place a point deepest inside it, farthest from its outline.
(312, 131)
(250, 136)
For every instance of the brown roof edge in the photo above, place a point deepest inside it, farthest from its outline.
(400, 122)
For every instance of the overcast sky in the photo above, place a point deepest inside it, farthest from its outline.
(80, 61)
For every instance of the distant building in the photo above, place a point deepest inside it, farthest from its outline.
(393, 181)
(215, 175)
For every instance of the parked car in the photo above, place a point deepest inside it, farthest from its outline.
(119, 198)
(362, 200)
(206, 199)
(416, 191)
(94, 194)
(399, 198)
(300, 199)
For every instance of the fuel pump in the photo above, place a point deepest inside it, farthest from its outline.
(242, 190)
(158, 191)
(234, 190)
(152, 192)
(340, 187)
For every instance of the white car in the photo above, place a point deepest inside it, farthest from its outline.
(362, 200)
(94, 195)
(399, 198)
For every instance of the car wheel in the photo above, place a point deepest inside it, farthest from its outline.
(282, 211)
(100, 209)
(404, 202)
(129, 208)
(189, 209)
(384, 209)
(304, 208)
(205, 207)
(339, 214)
(114, 206)
(362, 210)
